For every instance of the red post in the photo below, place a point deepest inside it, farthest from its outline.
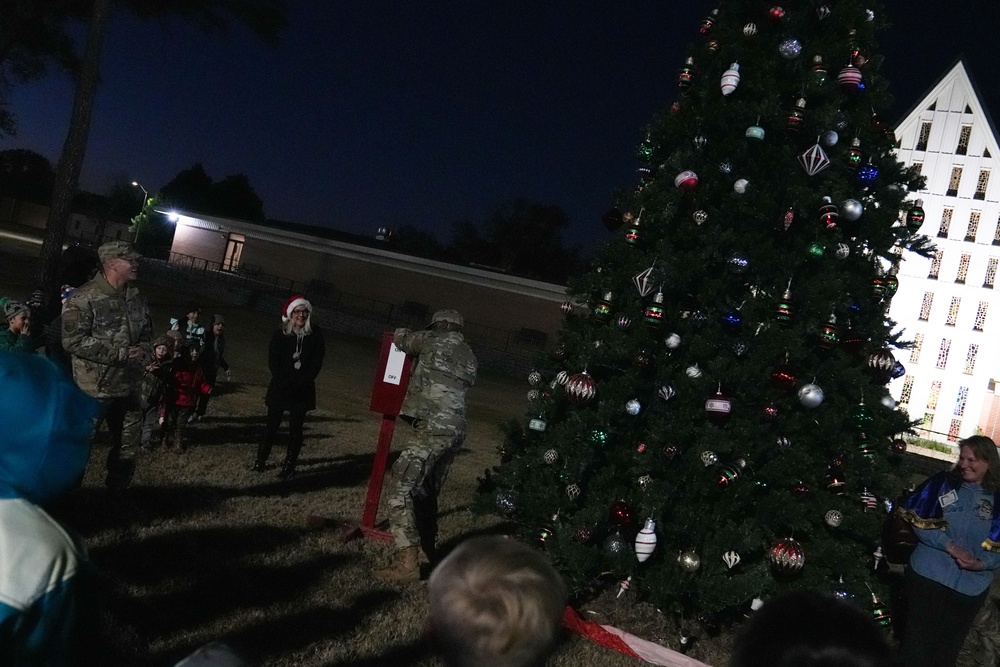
(392, 375)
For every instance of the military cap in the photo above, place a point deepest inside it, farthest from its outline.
(117, 250)
(452, 316)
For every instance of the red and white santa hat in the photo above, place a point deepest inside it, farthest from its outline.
(293, 303)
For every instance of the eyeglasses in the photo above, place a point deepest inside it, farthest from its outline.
(300, 311)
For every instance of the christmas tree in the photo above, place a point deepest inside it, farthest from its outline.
(714, 424)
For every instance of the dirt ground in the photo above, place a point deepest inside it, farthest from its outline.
(201, 548)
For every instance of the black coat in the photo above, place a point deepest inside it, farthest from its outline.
(212, 361)
(294, 388)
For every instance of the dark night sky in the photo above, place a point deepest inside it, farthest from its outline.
(372, 113)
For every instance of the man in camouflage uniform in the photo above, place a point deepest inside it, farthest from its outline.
(434, 406)
(107, 329)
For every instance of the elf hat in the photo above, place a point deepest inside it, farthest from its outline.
(293, 303)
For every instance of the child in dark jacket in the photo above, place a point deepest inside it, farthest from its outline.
(157, 389)
(189, 385)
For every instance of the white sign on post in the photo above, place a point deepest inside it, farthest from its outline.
(394, 365)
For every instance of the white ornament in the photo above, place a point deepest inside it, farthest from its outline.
(709, 458)
(699, 217)
(623, 586)
(740, 186)
(756, 604)
(851, 209)
(534, 394)
(534, 378)
(888, 402)
(666, 392)
(830, 138)
(672, 341)
(686, 180)
(562, 377)
(842, 251)
(573, 491)
(833, 518)
(645, 541)
(731, 558)
(750, 29)
(730, 79)
(811, 396)
(550, 456)
(537, 424)
(633, 407)
(693, 371)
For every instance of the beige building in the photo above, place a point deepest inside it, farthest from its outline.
(358, 274)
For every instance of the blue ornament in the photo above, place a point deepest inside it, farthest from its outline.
(897, 371)
(732, 320)
(867, 174)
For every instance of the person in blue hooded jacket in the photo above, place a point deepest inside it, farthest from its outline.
(41, 460)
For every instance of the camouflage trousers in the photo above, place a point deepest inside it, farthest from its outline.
(123, 418)
(417, 478)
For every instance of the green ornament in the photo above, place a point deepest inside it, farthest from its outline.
(599, 437)
(602, 311)
(860, 416)
(816, 250)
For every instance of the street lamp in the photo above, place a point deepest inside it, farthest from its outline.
(145, 198)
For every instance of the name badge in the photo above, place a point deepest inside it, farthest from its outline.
(948, 498)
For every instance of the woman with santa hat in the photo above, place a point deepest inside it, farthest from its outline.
(294, 357)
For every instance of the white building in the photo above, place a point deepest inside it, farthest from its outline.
(948, 304)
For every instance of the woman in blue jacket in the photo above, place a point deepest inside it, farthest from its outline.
(956, 516)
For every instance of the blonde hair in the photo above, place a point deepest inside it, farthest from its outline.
(495, 602)
(290, 330)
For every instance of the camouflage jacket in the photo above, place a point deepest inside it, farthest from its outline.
(445, 369)
(99, 323)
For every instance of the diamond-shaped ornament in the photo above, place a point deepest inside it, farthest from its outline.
(644, 281)
(814, 160)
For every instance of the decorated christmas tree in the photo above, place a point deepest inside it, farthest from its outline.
(713, 425)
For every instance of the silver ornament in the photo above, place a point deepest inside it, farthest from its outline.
(790, 49)
(507, 502)
(624, 322)
(830, 138)
(689, 561)
(550, 456)
(633, 407)
(811, 396)
(869, 15)
(725, 167)
(645, 481)
(783, 442)
(888, 402)
(573, 491)
(739, 348)
(709, 458)
(700, 141)
(750, 29)
(693, 371)
(823, 11)
(842, 251)
(699, 217)
(615, 544)
(534, 378)
(833, 518)
(731, 559)
(672, 341)
(534, 394)
(851, 209)
(562, 377)
(537, 424)
(666, 392)
(738, 264)
(740, 186)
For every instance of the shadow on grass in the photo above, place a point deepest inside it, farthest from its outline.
(417, 652)
(292, 632)
(315, 475)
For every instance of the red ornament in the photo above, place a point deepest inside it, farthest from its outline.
(783, 377)
(899, 446)
(776, 13)
(686, 76)
(686, 180)
(829, 214)
(621, 514)
(581, 388)
(787, 557)
(770, 412)
(849, 78)
(801, 490)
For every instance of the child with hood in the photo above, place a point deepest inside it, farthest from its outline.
(42, 601)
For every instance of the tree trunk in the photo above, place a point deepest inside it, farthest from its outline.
(73, 153)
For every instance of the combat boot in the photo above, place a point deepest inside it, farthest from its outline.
(406, 568)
